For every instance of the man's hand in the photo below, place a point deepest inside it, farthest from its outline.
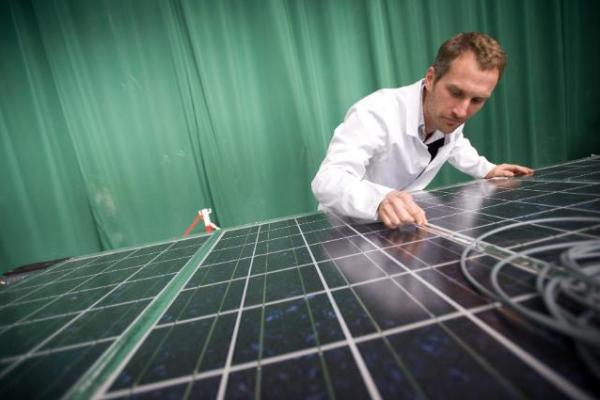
(509, 170)
(399, 208)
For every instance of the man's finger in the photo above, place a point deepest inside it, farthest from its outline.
(384, 218)
(395, 210)
(415, 211)
(525, 170)
(518, 169)
(402, 212)
(392, 215)
(422, 218)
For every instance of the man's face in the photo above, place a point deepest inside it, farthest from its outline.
(458, 95)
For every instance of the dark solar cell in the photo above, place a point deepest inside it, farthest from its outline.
(455, 369)
(389, 305)
(426, 297)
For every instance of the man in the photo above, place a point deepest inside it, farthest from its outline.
(394, 141)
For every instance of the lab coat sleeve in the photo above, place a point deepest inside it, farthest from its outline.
(465, 158)
(340, 183)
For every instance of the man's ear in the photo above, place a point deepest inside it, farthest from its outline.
(429, 77)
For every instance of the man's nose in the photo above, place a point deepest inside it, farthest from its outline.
(461, 109)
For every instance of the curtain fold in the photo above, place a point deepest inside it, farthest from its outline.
(120, 119)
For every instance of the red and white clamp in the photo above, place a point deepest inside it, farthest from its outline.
(203, 215)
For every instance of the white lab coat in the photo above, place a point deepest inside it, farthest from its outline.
(377, 149)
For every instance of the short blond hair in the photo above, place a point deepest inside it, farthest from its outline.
(488, 53)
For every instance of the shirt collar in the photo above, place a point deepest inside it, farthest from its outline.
(422, 134)
(421, 125)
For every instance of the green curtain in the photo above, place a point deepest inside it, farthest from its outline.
(119, 119)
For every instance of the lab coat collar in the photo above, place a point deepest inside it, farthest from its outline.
(414, 96)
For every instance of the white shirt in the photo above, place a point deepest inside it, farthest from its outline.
(378, 149)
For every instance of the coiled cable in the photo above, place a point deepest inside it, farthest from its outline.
(569, 286)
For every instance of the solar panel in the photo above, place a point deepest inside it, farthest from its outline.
(322, 306)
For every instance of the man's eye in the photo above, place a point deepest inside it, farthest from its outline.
(455, 93)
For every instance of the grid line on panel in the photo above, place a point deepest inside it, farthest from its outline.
(465, 239)
(535, 178)
(122, 319)
(201, 356)
(364, 372)
(64, 371)
(261, 336)
(103, 370)
(483, 362)
(302, 296)
(561, 233)
(568, 163)
(216, 372)
(438, 319)
(581, 208)
(379, 332)
(48, 283)
(409, 294)
(27, 290)
(90, 289)
(277, 251)
(582, 178)
(574, 205)
(289, 356)
(508, 251)
(41, 352)
(315, 332)
(551, 376)
(47, 339)
(528, 201)
(85, 280)
(194, 319)
(191, 299)
(298, 353)
(433, 243)
(53, 269)
(535, 194)
(557, 232)
(433, 319)
(588, 188)
(236, 327)
(33, 321)
(149, 387)
(550, 179)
